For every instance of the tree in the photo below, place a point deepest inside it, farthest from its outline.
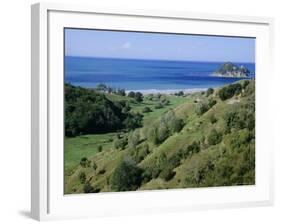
(209, 91)
(214, 137)
(127, 176)
(82, 177)
(88, 188)
(131, 94)
(84, 162)
(229, 91)
(138, 97)
(99, 148)
(201, 108)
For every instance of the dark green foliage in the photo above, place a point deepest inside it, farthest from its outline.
(95, 166)
(84, 162)
(243, 117)
(146, 110)
(229, 91)
(88, 188)
(209, 91)
(194, 147)
(99, 148)
(214, 137)
(88, 111)
(82, 177)
(211, 103)
(131, 94)
(202, 108)
(180, 93)
(245, 84)
(213, 119)
(127, 176)
(133, 120)
(167, 173)
(138, 97)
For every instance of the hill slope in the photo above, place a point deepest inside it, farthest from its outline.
(197, 140)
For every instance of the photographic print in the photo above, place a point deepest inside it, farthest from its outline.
(151, 111)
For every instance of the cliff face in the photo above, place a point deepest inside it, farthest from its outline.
(229, 69)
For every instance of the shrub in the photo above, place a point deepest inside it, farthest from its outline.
(127, 176)
(99, 148)
(229, 91)
(138, 97)
(84, 162)
(120, 143)
(134, 139)
(201, 108)
(194, 147)
(209, 91)
(146, 110)
(245, 84)
(214, 137)
(95, 166)
(213, 119)
(131, 94)
(167, 173)
(82, 177)
(88, 188)
(211, 103)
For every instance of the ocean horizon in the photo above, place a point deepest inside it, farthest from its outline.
(145, 75)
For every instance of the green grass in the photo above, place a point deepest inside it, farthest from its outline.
(84, 146)
(196, 128)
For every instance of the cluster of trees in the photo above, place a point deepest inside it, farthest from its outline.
(138, 96)
(229, 91)
(107, 89)
(88, 111)
(165, 127)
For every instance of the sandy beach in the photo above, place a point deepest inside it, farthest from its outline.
(167, 91)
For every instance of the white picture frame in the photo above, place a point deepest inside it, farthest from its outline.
(47, 198)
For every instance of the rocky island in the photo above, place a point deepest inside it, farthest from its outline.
(231, 70)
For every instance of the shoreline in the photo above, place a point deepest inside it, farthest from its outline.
(167, 91)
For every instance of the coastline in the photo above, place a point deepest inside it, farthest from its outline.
(167, 91)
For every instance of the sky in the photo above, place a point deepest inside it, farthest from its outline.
(158, 46)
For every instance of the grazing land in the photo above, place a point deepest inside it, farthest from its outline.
(117, 141)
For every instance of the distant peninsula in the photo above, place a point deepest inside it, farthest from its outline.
(231, 70)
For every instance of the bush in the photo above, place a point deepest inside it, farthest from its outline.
(134, 139)
(201, 108)
(194, 147)
(84, 162)
(209, 91)
(138, 97)
(245, 84)
(133, 121)
(146, 110)
(167, 173)
(82, 177)
(88, 188)
(131, 94)
(211, 103)
(120, 143)
(229, 91)
(213, 119)
(95, 166)
(127, 176)
(214, 137)
(99, 148)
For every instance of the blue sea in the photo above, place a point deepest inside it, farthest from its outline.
(135, 74)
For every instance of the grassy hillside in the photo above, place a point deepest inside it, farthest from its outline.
(195, 140)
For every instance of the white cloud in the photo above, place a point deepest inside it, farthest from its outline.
(126, 45)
